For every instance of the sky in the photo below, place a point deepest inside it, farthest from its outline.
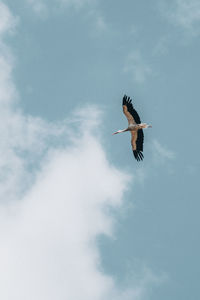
(80, 218)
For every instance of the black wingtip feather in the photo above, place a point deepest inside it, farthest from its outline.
(124, 100)
(138, 155)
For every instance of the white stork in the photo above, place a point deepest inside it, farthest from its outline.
(135, 127)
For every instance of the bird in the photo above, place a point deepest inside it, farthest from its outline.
(135, 127)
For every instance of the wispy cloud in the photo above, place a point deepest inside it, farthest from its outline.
(8, 22)
(184, 13)
(162, 46)
(43, 10)
(41, 7)
(137, 67)
(101, 24)
(77, 3)
(56, 184)
(161, 153)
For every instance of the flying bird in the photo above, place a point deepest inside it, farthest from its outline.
(135, 127)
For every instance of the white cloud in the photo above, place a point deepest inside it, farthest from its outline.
(7, 25)
(56, 188)
(137, 67)
(162, 46)
(161, 153)
(77, 3)
(185, 14)
(134, 30)
(7, 21)
(101, 24)
(49, 246)
(41, 7)
(98, 21)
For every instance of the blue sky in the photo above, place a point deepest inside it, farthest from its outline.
(72, 192)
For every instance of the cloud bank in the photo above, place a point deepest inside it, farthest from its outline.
(48, 247)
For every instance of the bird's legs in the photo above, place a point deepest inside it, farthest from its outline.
(143, 126)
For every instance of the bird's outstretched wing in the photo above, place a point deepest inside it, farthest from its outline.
(137, 144)
(137, 136)
(130, 113)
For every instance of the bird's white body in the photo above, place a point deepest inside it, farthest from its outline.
(134, 127)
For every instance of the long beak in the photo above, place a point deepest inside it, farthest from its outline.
(115, 132)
